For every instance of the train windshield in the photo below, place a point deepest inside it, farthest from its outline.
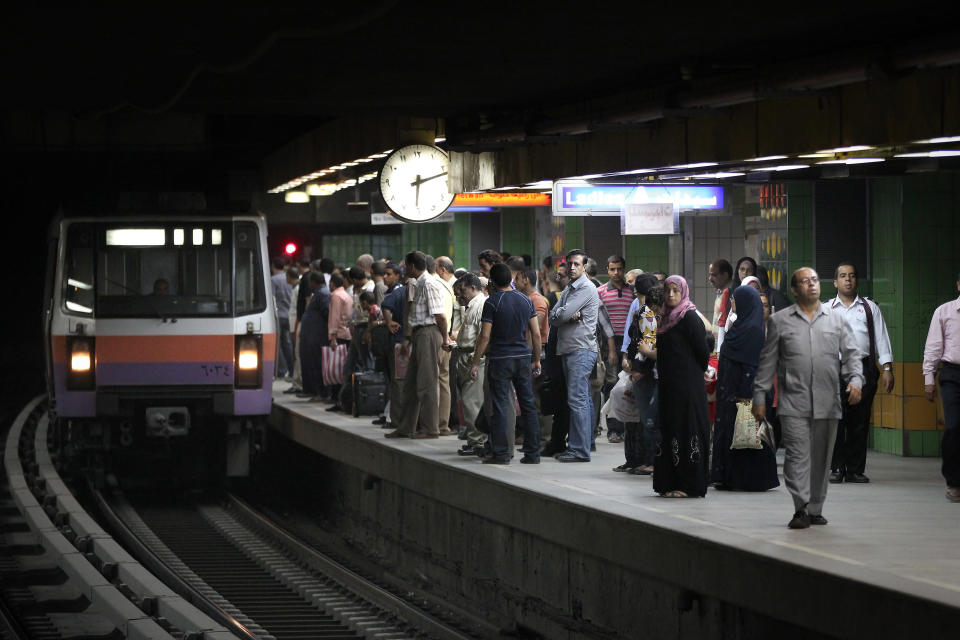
(171, 270)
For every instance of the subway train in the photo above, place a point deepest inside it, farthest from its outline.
(160, 337)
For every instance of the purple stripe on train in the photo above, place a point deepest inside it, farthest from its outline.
(256, 402)
(172, 373)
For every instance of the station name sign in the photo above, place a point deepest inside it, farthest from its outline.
(576, 198)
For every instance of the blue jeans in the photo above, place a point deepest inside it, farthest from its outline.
(501, 372)
(577, 366)
(285, 352)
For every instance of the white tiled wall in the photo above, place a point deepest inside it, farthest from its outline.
(713, 237)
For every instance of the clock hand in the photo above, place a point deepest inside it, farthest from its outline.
(418, 181)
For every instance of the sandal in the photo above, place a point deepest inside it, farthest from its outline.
(675, 494)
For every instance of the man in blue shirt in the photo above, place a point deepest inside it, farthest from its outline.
(512, 333)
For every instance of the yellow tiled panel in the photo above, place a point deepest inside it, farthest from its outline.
(919, 414)
(897, 378)
(912, 379)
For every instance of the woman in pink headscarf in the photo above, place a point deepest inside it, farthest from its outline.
(681, 466)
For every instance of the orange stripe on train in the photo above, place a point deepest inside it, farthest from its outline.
(163, 348)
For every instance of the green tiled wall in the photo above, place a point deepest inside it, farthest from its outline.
(461, 239)
(433, 238)
(931, 253)
(517, 229)
(572, 233)
(886, 257)
(799, 227)
(650, 253)
(344, 249)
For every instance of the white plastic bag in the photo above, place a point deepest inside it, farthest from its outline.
(621, 404)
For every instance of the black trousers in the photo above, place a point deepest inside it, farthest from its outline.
(850, 450)
(950, 445)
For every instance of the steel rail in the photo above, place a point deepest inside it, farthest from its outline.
(351, 580)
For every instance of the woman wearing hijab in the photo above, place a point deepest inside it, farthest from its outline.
(681, 465)
(746, 266)
(740, 469)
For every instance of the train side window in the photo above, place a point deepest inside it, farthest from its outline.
(249, 293)
(78, 270)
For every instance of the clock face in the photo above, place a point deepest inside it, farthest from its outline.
(413, 182)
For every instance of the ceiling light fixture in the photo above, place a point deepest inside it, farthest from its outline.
(853, 161)
(943, 153)
(855, 147)
(719, 174)
(695, 165)
(783, 167)
(940, 140)
(767, 158)
(296, 197)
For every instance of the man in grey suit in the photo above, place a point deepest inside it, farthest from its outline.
(802, 345)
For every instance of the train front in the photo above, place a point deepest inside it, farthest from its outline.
(161, 343)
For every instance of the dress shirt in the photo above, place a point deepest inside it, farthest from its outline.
(470, 331)
(943, 339)
(803, 355)
(341, 308)
(427, 301)
(856, 317)
(448, 300)
(580, 295)
(281, 293)
(294, 301)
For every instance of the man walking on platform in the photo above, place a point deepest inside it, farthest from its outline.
(943, 346)
(470, 296)
(512, 332)
(575, 316)
(802, 345)
(870, 331)
(426, 333)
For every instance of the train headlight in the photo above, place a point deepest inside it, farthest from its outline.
(249, 351)
(80, 355)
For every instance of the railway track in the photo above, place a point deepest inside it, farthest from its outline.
(188, 570)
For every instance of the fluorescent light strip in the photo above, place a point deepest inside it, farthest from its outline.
(719, 174)
(695, 165)
(853, 161)
(767, 158)
(782, 167)
(940, 140)
(945, 153)
(855, 147)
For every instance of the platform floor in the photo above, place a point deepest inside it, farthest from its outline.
(898, 531)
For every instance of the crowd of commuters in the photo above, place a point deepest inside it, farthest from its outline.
(513, 356)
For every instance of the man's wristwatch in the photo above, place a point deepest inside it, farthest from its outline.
(888, 367)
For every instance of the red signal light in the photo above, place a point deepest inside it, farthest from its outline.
(290, 248)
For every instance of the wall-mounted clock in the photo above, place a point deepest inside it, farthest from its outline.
(413, 182)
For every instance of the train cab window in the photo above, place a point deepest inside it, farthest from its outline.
(250, 296)
(162, 272)
(78, 270)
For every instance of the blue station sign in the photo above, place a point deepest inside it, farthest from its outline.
(576, 198)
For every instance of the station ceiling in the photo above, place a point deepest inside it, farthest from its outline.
(320, 60)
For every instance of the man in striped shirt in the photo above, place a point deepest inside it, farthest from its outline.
(616, 296)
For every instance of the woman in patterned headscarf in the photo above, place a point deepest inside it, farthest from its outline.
(682, 456)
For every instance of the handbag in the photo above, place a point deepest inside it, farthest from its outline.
(598, 375)
(334, 359)
(768, 435)
(746, 429)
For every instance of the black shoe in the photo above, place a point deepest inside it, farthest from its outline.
(624, 468)
(293, 390)
(335, 407)
(857, 478)
(380, 420)
(800, 520)
(614, 438)
(467, 451)
(528, 459)
(593, 447)
(549, 451)
(301, 394)
(569, 457)
(836, 477)
(818, 520)
(495, 460)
